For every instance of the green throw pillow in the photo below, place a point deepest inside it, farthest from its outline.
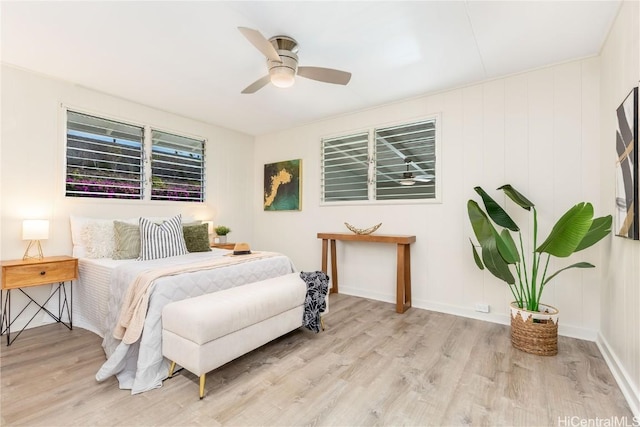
(196, 237)
(127, 240)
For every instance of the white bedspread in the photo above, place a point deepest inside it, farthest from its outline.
(141, 366)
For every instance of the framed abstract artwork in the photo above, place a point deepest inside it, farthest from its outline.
(627, 196)
(283, 186)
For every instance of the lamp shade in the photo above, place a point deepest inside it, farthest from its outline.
(35, 229)
(209, 226)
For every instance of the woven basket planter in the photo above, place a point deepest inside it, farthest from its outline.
(535, 332)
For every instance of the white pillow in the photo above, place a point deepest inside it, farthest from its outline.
(161, 241)
(80, 236)
(98, 239)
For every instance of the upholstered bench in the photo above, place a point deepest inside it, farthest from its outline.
(203, 333)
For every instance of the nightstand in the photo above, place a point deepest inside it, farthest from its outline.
(223, 245)
(21, 274)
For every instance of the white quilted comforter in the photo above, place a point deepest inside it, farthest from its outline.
(141, 366)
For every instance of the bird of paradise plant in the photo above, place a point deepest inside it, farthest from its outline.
(576, 230)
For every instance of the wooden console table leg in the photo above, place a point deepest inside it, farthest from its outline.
(407, 276)
(334, 268)
(403, 279)
(324, 255)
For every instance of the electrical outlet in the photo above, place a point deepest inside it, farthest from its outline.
(482, 308)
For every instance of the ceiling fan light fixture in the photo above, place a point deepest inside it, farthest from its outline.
(407, 179)
(282, 77)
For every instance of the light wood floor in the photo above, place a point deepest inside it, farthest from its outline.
(371, 366)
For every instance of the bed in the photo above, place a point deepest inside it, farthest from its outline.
(101, 288)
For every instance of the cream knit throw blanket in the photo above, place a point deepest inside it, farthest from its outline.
(134, 307)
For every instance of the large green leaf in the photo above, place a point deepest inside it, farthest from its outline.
(517, 197)
(569, 231)
(495, 211)
(476, 257)
(494, 262)
(479, 222)
(507, 247)
(576, 265)
(600, 228)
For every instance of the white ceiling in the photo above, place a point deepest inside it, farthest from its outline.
(189, 58)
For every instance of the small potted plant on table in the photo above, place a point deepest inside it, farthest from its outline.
(221, 232)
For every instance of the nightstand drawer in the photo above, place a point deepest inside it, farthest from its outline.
(34, 274)
(223, 245)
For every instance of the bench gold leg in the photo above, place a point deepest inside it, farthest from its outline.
(322, 323)
(202, 379)
(171, 368)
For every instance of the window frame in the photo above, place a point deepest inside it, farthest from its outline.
(146, 172)
(370, 130)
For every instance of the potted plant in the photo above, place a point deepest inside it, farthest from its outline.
(221, 232)
(534, 326)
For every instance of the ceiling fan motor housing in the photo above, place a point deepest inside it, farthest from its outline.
(283, 71)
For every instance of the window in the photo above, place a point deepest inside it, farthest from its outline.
(106, 159)
(345, 166)
(177, 170)
(390, 163)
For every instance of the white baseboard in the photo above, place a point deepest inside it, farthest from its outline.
(501, 318)
(629, 390)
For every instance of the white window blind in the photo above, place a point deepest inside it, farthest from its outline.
(104, 158)
(345, 168)
(177, 167)
(390, 163)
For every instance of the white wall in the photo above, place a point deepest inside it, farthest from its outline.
(538, 131)
(619, 336)
(32, 176)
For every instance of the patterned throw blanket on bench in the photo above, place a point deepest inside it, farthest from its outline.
(315, 301)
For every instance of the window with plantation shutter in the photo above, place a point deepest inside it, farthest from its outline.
(384, 164)
(405, 161)
(112, 159)
(345, 168)
(104, 158)
(177, 167)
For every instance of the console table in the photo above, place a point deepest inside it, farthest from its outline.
(403, 276)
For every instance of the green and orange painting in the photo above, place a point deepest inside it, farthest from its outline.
(282, 186)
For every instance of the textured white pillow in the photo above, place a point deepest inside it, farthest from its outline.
(79, 236)
(98, 239)
(161, 240)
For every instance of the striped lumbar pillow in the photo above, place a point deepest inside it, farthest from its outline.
(161, 241)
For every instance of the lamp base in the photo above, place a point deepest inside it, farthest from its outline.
(35, 244)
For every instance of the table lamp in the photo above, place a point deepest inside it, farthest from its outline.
(210, 228)
(34, 230)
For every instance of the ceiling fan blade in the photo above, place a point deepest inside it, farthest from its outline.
(257, 85)
(327, 75)
(261, 43)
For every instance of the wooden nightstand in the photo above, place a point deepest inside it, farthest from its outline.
(223, 245)
(20, 274)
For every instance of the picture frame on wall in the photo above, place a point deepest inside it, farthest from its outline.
(283, 186)
(627, 223)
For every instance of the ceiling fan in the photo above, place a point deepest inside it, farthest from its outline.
(282, 63)
(408, 178)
